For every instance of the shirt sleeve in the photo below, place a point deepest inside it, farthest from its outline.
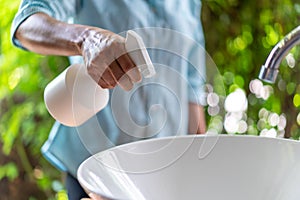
(59, 9)
(197, 75)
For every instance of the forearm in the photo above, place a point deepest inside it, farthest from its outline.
(103, 51)
(45, 35)
(197, 122)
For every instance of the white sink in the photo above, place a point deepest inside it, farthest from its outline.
(219, 167)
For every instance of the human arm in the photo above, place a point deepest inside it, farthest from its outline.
(196, 77)
(103, 51)
(197, 122)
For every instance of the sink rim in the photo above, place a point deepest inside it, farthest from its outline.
(91, 189)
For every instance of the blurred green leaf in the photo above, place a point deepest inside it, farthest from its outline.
(9, 171)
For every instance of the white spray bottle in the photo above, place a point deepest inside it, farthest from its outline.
(73, 96)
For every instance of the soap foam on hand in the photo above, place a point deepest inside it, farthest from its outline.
(73, 96)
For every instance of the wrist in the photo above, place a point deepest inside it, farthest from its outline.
(88, 37)
(80, 40)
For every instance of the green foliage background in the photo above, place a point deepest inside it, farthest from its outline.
(239, 36)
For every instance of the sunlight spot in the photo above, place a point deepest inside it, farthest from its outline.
(15, 77)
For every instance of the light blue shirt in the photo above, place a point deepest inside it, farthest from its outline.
(156, 107)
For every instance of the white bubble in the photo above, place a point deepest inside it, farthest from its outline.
(265, 92)
(231, 125)
(273, 119)
(212, 99)
(268, 133)
(261, 124)
(236, 101)
(237, 115)
(282, 122)
(242, 126)
(298, 119)
(290, 60)
(213, 111)
(255, 86)
(281, 85)
(209, 88)
(263, 132)
(272, 133)
(263, 113)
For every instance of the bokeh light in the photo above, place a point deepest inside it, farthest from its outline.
(255, 86)
(263, 113)
(290, 60)
(15, 78)
(261, 124)
(209, 88)
(298, 119)
(282, 122)
(261, 91)
(212, 99)
(281, 85)
(242, 126)
(231, 124)
(236, 105)
(273, 119)
(290, 88)
(296, 100)
(268, 133)
(236, 101)
(216, 124)
(213, 111)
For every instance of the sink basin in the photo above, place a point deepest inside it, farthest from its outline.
(209, 167)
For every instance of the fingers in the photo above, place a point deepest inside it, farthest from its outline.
(125, 83)
(108, 62)
(121, 71)
(130, 68)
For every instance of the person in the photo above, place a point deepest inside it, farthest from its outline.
(90, 32)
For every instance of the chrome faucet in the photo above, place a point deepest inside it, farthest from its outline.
(269, 70)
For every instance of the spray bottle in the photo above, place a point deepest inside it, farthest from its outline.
(73, 96)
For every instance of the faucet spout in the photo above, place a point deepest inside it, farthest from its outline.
(270, 69)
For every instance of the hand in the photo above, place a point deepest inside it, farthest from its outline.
(93, 197)
(104, 52)
(107, 61)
